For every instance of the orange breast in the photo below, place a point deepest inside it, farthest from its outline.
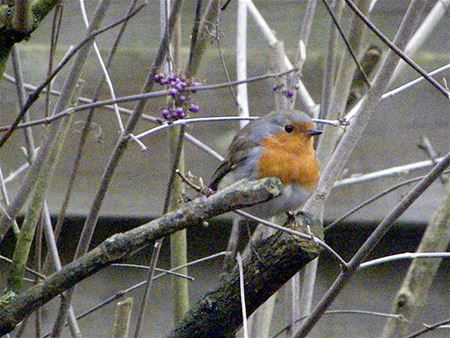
(290, 158)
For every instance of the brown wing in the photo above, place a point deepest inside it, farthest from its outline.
(237, 152)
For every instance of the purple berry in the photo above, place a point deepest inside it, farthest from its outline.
(164, 82)
(157, 78)
(173, 91)
(179, 86)
(275, 87)
(183, 84)
(179, 113)
(172, 78)
(165, 113)
(194, 108)
(288, 93)
(182, 98)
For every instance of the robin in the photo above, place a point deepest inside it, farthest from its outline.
(279, 144)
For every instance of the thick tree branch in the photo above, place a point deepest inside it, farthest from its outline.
(239, 195)
(219, 313)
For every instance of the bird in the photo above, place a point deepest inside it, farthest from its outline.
(278, 144)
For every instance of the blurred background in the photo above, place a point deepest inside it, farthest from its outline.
(139, 186)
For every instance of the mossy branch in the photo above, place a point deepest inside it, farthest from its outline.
(239, 195)
(9, 35)
(25, 239)
(218, 313)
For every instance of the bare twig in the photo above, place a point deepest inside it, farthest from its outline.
(330, 66)
(347, 44)
(86, 129)
(143, 96)
(241, 59)
(307, 20)
(124, 292)
(295, 233)
(397, 50)
(385, 172)
(337, 312)
(305, 97)
(429, 328)
(241, 286)
(402, 256)
(370, 244)
(374, 198)
(35, 95)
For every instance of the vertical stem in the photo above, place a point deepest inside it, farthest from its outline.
(342, 85)
(122, 320)
(426, 28)
(330, 66)
(263, 317)
(295, 301)
(307, 20)
(340, 157)
(241, 60)
(413, 293)
(22, 16)
(178, 241)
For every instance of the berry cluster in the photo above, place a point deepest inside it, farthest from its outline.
(286, 92)
(176, 86)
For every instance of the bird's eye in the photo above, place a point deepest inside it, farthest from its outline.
(289, 128)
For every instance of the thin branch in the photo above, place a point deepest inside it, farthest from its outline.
(241, 59)
(347, 44)
(195, 30)
(104, 67)
(124, 292)
(35, 95)
(424, 31)
(148, 283)
(402, 256)
(242, 289)
(386, 172)
(330, 64)
(86, 129)
(337, 312)
(33, 272)
(429, 328)
(307, 20)
(305, 97)
(145, 96)
(295, 233)
(56, 29)
(145, 267)
(397, 50)
(370, 244)
(214, 119)
(413, 83)
(374, 198)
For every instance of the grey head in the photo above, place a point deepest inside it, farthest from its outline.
(274, 123)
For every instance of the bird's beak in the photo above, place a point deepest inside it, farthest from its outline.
(314, 132)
